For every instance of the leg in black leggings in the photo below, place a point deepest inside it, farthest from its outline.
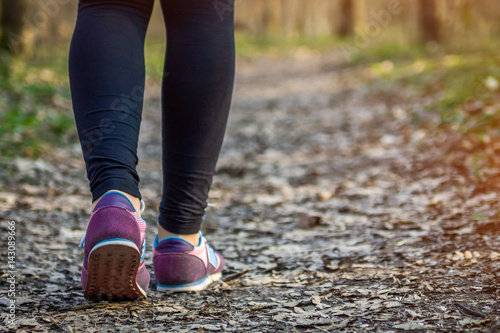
(197, 91)
(107, 83)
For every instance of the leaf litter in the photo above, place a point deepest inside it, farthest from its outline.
(331, 213)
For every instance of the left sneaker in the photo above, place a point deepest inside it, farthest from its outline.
(181, 266)
(113, 265)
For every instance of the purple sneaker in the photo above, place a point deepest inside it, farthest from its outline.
(181, 266)
(113, 265)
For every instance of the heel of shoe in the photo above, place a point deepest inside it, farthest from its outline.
(112, 269)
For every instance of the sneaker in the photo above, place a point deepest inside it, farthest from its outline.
(115, 241)
(181, 266)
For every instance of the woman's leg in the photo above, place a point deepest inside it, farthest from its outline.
(197, 90)
(107, 84)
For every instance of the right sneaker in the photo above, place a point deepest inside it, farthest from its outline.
(181, 266)
(113, 264)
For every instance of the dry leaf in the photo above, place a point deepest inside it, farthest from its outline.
(308, 221)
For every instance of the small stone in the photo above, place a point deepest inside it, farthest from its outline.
(316, 299)
(468, 255)
(457, 256)
(494, 255)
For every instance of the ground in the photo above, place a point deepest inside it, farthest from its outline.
(333, 211)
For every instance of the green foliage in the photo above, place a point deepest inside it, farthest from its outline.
(155, 57)
(36, 111)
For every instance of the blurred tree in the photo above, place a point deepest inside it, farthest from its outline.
(346, 24)
(12, 24)
(428, 21)
(352, 17)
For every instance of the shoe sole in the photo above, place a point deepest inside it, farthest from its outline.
(195, 286)
(112, 271)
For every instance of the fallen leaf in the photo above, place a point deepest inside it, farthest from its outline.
(308, 221)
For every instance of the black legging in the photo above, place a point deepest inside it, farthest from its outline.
(107, 83)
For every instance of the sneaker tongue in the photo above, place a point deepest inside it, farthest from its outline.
(174, 245)
(115, 199)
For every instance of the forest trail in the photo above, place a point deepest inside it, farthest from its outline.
(325, 208)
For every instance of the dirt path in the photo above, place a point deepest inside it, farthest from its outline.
(326, 209)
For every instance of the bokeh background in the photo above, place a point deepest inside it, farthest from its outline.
(443, 48)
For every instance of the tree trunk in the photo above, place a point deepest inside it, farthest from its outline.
(12, 25)
(429, 21)
(346, 25)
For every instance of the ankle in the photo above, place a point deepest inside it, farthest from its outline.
(191, 238)
(136, 202)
